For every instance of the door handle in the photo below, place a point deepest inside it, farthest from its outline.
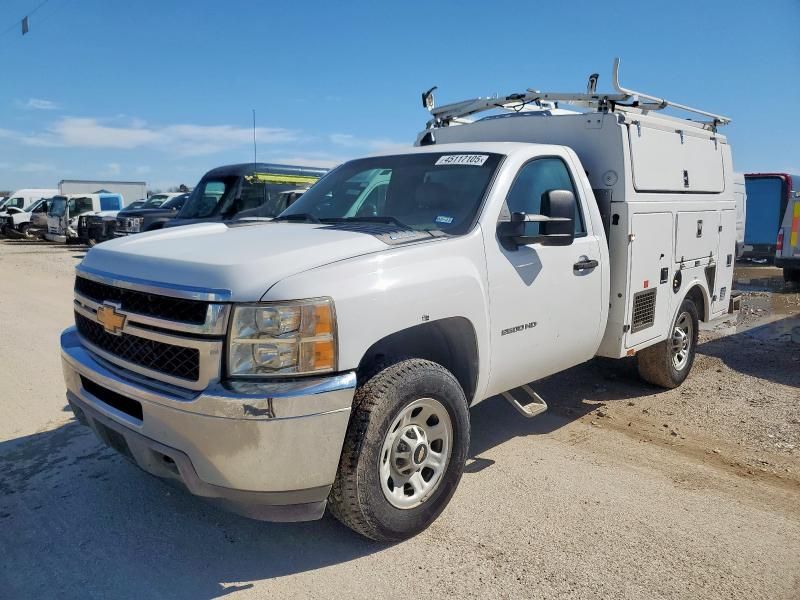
(585, 264)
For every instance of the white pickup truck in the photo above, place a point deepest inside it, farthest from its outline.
(329, 357)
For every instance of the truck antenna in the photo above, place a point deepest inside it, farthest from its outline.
(255, 148)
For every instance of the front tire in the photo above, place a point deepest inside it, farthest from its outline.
(667, 364)
(404, 451)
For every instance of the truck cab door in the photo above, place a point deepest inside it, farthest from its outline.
(546, 305)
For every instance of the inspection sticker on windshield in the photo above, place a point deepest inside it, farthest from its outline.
(472, 160)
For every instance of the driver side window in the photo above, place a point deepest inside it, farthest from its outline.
(537, 177)
(82, 205)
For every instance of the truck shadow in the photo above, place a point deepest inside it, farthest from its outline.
(43, 244)
(766, 352)
(75, 516)
(104, 521)
(570, 395)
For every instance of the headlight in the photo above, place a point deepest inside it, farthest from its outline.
(283, 338)
(134, 223)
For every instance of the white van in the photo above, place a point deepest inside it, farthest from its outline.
(22, 199)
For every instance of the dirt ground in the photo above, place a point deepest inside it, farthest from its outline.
(620, 490)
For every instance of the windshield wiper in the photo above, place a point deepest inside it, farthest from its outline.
(298, 218)
(387, 220)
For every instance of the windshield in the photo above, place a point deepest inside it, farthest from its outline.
(426, 192)
(75, 206)
(155, 201)
(3, 202)
(176, 202)
(236, 195)
(35, 205)
(58, 206)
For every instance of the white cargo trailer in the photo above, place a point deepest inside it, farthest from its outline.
(130, 190)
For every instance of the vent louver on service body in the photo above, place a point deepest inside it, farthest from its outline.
(644, 310)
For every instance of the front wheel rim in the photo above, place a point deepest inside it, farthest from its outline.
(682, 339)
(415, 453)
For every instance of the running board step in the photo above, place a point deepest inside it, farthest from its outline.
(535, 407)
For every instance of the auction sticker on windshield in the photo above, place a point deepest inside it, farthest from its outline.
(472, 160)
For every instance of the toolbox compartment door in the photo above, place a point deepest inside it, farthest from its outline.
(723, 273)
(697, 235)
(674, 161)
(650, 277)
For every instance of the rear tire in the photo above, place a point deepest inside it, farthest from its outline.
(667, 364)
(404, 451)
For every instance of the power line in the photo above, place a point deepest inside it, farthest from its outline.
(28, 14)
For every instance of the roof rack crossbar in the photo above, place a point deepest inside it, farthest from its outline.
(445, 114)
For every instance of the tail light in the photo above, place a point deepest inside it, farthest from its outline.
(779, 243)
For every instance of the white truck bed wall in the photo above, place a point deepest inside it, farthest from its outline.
(665, 189)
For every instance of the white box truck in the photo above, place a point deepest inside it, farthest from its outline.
(329, 357)
(129, 190)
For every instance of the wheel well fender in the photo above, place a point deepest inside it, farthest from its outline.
(450, 342)
(698, 295)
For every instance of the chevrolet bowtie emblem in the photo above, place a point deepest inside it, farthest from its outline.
(110, 319)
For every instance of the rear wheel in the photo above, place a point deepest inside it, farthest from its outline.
(667, 364)
(404, 451)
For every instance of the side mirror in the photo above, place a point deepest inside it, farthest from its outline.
(559, 206)
(556, 222)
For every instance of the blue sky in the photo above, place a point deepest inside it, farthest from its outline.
(162, 91)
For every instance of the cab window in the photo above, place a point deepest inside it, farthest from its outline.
(534, 180)
(80, 206)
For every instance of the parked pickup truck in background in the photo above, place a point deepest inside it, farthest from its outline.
(259, 190)
(329, 356)
(149, 218)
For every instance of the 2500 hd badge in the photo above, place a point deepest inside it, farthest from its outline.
(530, 325)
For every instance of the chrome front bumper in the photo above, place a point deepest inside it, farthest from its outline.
(54, 237)
(268, 450)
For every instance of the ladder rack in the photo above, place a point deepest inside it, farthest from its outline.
(623, 100)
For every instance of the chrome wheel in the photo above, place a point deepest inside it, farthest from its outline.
(682, 337)
(415, 453)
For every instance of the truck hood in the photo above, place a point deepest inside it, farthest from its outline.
(244, 259)
(148, 212)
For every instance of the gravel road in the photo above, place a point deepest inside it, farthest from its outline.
(621, 490)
